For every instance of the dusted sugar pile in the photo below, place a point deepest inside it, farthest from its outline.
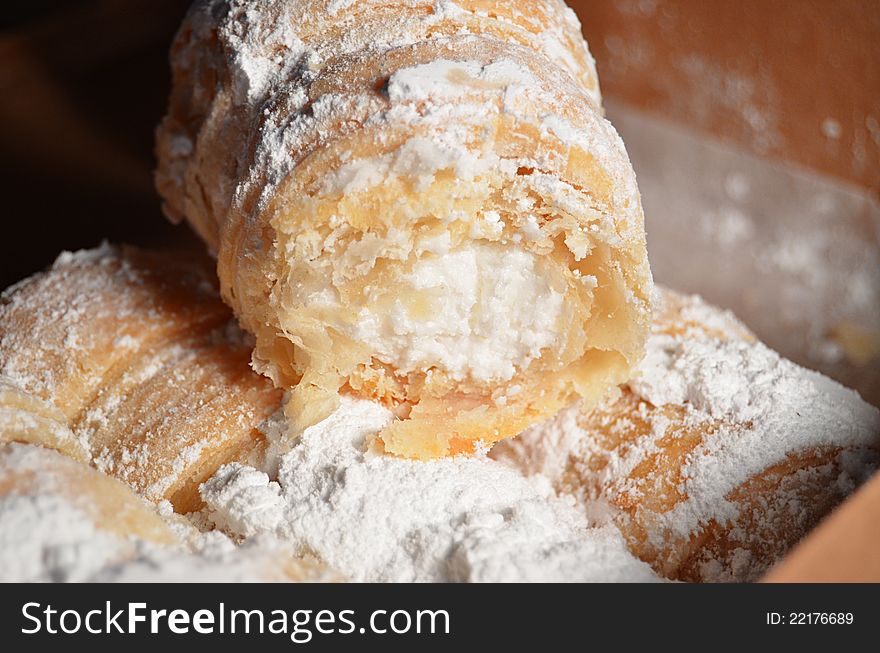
(63, 522)
(378, 518)
(718, 455)
(415, 201)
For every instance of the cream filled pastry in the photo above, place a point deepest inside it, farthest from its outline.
(708, 464)
(414, 201)
(128, 359)
(717, 456)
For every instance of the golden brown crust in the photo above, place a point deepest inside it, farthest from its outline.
(134, 353)
(74, 523)
(28, 420)
(702, 493)
(317, 147)
(775, 508)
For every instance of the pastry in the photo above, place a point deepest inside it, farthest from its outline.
(27, 419)
(61, 520)
(712, 461)
(52, 508)
(717, 456)
(108, 505)
(129, 360)
(414, 201)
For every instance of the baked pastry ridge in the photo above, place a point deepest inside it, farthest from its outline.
(415, 202)
(127, 359)
(711, 461)
(718, 455)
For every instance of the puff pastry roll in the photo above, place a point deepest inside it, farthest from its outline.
(51, 507)
(27, 419)
(717, 457)
(61, 520)
(416, 201)
(129, 360)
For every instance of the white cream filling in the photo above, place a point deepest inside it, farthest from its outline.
(482, 311)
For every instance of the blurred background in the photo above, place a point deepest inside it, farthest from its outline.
(753, 126)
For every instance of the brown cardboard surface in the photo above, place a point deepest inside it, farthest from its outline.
(844, 548)
(793, 253)
(793, 80)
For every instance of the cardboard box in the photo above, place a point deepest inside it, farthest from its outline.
(764, 117)
(797, 80)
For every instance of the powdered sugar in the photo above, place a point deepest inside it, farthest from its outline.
(262, 52)
(378, 518)
(47, 539)
(54, 528)
(251, 502)
(420, 158)
(750, 409)
(446, 79)
(336, 6)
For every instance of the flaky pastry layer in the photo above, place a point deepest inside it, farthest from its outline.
(128, 360)
(717, 457)
(332, 153)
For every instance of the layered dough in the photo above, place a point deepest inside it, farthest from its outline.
(128, 360)
(711, 461)
(717, 456)
(26, 419)
(416, 202)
